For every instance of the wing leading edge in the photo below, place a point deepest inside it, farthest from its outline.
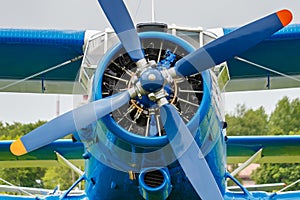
(275, 149)
(280, 149)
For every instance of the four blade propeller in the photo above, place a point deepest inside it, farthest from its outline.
(181, 140)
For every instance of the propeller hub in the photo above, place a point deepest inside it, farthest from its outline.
(152, 80)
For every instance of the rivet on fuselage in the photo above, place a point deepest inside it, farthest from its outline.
(86, 155)
(113, 185)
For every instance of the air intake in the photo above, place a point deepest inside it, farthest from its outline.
(154, 178)
(154, 183)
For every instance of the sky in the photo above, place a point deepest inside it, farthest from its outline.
(86, 14)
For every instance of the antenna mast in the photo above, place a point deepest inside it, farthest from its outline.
(153, 13)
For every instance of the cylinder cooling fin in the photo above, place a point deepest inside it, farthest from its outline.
(140, 118)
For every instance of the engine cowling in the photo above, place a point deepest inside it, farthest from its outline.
(139, 121)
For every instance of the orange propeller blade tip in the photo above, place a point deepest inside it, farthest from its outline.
(285, 16)
(17, 148)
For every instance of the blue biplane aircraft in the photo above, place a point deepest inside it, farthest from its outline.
(154, 125)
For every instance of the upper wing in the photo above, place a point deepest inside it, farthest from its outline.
(42, 157)
(275, 149)
(279, 53)
(26, 53)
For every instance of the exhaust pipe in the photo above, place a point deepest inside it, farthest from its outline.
(155, 184)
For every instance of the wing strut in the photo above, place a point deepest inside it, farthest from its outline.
(254, 158)
(42, 72)
(67, 163)
(18, 188)
(265, 68)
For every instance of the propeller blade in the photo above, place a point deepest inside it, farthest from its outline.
(68, 123)
(189, 154)
(232, 44)
(119, 18)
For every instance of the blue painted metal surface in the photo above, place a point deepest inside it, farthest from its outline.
(25, 52)
(42, 37)
(105, 181)
(53, 197)
(287, 195)
(291, 31)
(152, 80)
(279, 52)
(161, 191)
(113, 134)
(169, 58)
(208, 130)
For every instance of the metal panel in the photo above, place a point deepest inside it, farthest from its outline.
(276, 149)
(26, 52)
(279, 53)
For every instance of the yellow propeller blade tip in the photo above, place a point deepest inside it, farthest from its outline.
(285, 16)
(17, 148)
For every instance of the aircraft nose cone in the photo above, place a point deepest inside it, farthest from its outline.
(152, 80)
